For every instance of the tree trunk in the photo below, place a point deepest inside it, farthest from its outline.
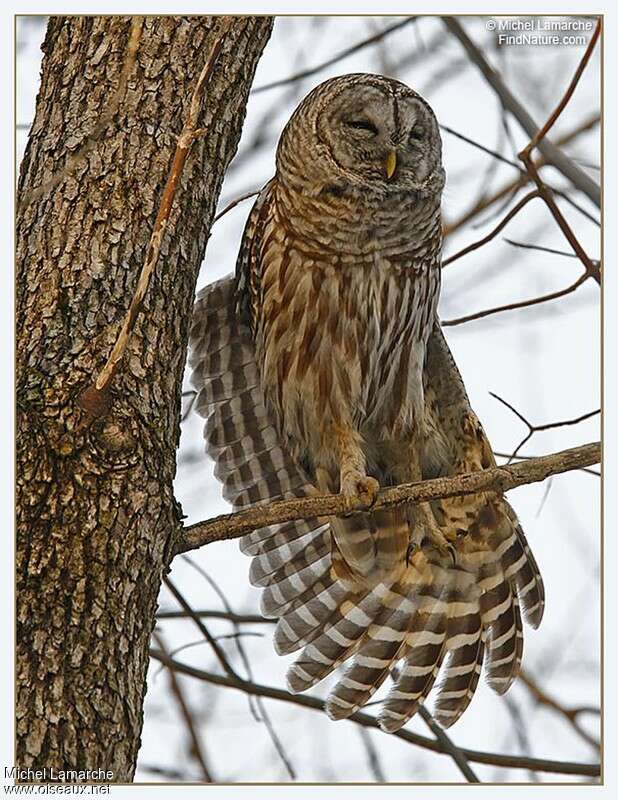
(96, 511)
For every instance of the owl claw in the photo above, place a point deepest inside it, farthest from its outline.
(445, 548)
(360, 492)
(433, 540)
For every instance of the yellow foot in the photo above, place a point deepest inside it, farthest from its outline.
(360, 491)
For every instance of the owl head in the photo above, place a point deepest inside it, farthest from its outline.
(364, 132)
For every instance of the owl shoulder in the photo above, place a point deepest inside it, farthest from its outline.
(248, 264)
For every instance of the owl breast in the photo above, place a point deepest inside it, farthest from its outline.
(342, 340)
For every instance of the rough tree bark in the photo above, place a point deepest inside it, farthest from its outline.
(96, 510)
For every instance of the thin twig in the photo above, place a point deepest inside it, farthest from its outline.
(372, 755)
(307, 73)
(591, 271)
(533, 301)
(553, 117)
(496, 479)
(260, 714)
(193, 395)
(196, 747)
(238, 619)
(515, 165)
(221, 657)
(513, 186)
(592, 268)
(571, 714)
(223, 660)
(202, 642)
(539, 248)
(307, 701)
(165, 772)
(95, 399)
(542, 698)
(562, 162)
(448, 745)
(532, 429)
(494, 232)
(234, 203)
(521, 731)
(488, 150)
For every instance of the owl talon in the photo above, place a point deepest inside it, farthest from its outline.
(445, 548)
(452, 552)
(435, 541)
(411, 549)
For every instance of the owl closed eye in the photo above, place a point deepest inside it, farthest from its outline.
(371, 132)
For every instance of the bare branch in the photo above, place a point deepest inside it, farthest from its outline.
(571, 715)
(238, 619)
(307, 73)
(307, 701)
(539, 248)
(230, 671)
(498, 157)
(196, 746)
(448, 746)
(540, 135)
(544, 298)
(221, 657)
(513, 186)
(592, 268)
(554, 156)
(497, 479)
(234, 203)
(532, 429)
(174, 775)
(494, 232)
(372, 755)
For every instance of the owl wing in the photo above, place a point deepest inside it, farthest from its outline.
(456, 443)
(293, 559)
(249, 263)
(483, 617)
(427, 616)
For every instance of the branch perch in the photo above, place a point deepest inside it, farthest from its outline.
(497, 479)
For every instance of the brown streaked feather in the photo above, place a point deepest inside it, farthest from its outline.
(460, 678)
(374, 656)
(264, 539)
(329, 645)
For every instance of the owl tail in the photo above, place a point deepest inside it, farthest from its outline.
(419, 622)
(428, 621)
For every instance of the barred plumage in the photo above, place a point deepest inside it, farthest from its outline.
(321, 367)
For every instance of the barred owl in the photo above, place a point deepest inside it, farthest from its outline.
(321, 367)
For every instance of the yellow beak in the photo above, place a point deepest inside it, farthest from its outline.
(390, 164)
